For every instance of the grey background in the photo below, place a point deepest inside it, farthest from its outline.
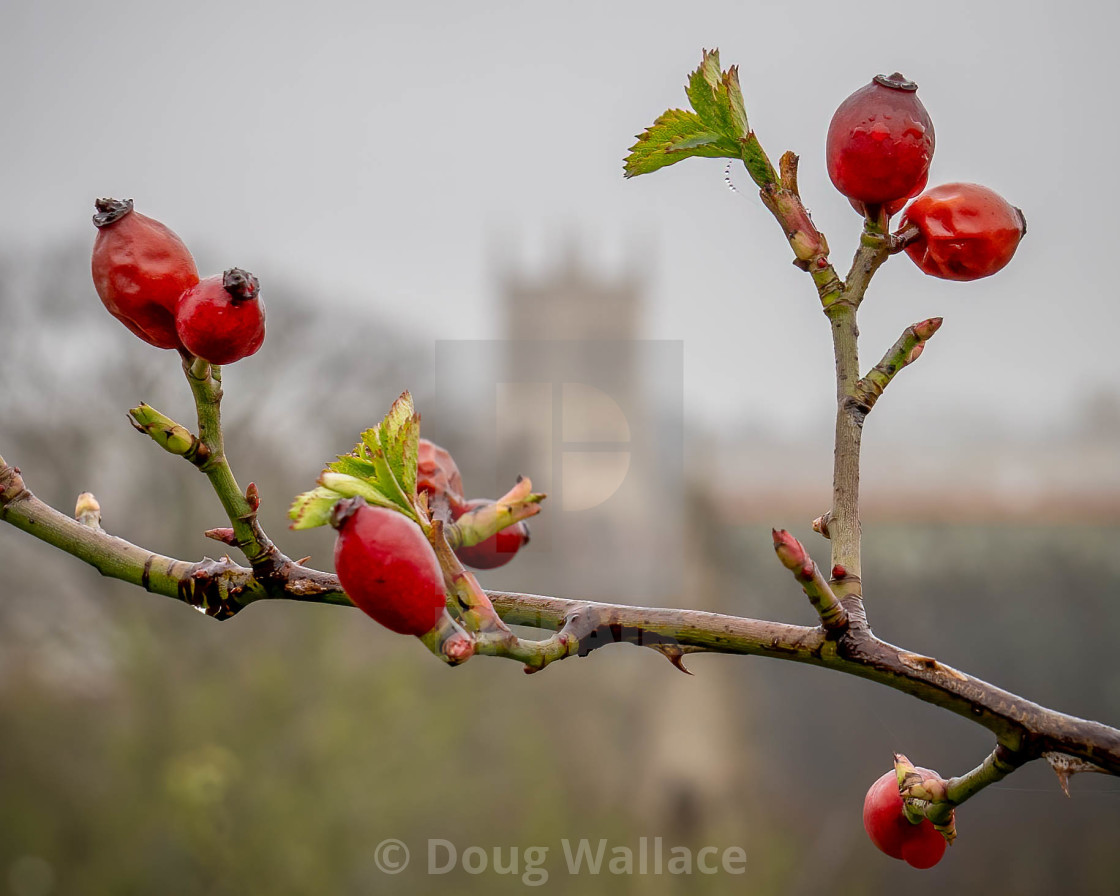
(391, 152)
(404, 176)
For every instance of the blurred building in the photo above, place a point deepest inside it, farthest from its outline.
(575, 399)
(594, 413)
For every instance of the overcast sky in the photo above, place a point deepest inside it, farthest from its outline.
(380, 151)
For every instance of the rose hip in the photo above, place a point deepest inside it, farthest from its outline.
(966, 231)
(880, 142)
(140, 269)
(438, 475)
(387, 567)
(499, 548)
(221, 319)
(919, 845)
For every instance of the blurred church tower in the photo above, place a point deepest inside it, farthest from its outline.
(575, 412)
(587, 406)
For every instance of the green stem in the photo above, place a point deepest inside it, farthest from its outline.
(903, 353)
(206, 385)
(1000, 763)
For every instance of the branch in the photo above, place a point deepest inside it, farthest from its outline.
(221, 588)
(903, 353)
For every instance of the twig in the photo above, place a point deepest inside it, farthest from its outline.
(903, 353)
(241, 508)
(796, 559)
(1000, 763)
(843, 525)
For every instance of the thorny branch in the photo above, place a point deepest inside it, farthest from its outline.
(221, 588)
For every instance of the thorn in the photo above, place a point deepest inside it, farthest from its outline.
(303, 560)
(1065, 767)
(673, 654)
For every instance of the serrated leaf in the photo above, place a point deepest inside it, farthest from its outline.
(313, 508)
(677, 135)
(369, 463)
(736, 106)
(345, 486)
(717, 98)
(708, 92)
(381, 469)
(354, 466)
(399, 437)
(709, 67)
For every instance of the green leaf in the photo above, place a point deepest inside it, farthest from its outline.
(313, 508)
(382, 478)
(354, 466)
(715, 129)
(709, 67)
(674, 136)
(381, 469)
(344, 486)
(737, 107)
(399, 437)
(708, 91)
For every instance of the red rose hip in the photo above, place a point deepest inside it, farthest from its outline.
(919, 845)
(498, 549)
(387, 567)
(221, 319)
(966, 231)
(140, 268)
(880, 142)
(438, 475)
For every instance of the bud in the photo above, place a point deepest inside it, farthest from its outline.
(790, 552)
(915, 353)
(224, 534)
(87, 511)
(925, 329)
(166, 433)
